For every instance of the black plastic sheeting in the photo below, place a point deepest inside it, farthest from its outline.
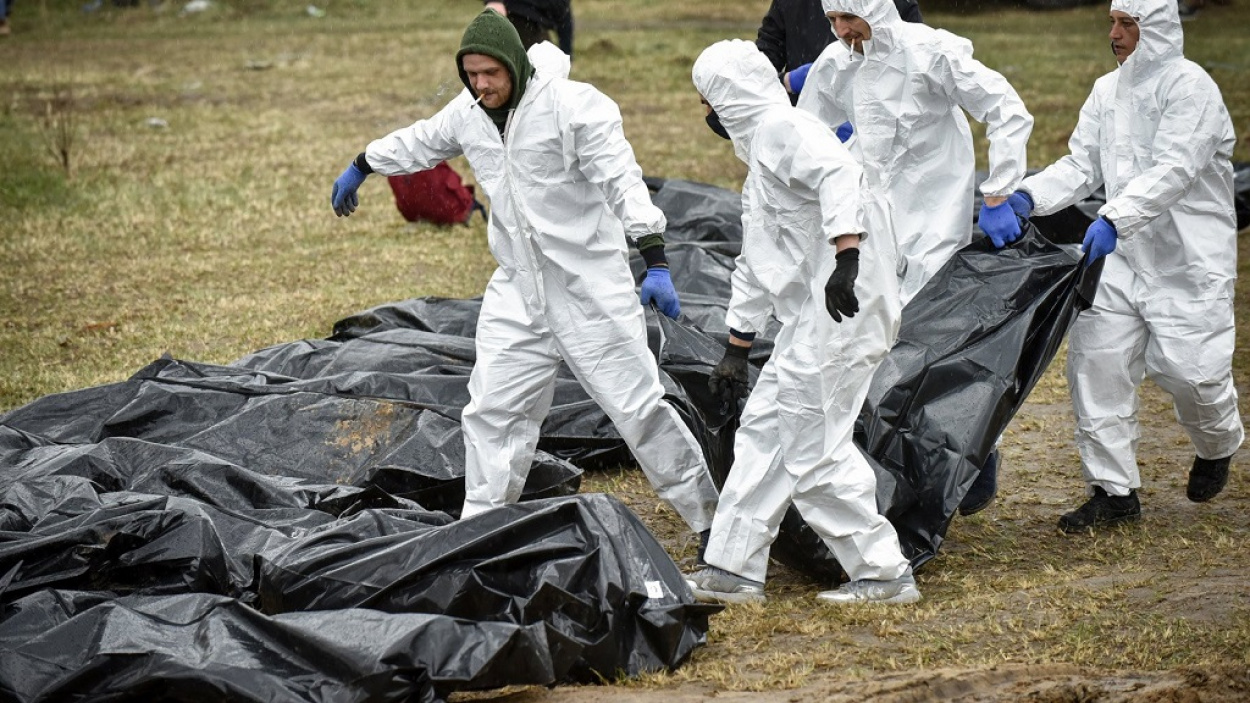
(282, 528)
(226, 532)
(130, 595)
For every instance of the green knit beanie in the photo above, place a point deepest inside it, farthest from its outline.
(491, 34)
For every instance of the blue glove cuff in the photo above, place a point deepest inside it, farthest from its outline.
(798, 77)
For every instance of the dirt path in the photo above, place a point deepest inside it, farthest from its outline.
(1036, 684)
(1158, 571)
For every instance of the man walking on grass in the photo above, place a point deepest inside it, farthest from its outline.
(1156, 134)
(565, 191)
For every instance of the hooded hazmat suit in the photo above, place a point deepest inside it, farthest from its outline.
(1155, 132)
(904, 95)
(563, 184)
(794, 443)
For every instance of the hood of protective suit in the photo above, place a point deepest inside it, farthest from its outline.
(881, 15)
(491, 34)
(1161, 39)
(741, 85)
(548, 60)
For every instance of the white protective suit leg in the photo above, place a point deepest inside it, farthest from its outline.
(513, 381)
(1106, 363)
(757, 491)
(835, 488)
(929, 245)
(803, 408)
(623, 378)
(510, 393)
(1197, 370)
(1127, 334)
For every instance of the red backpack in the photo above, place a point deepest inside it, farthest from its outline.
(438, 195)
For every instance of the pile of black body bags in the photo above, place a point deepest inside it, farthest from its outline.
(282, 528)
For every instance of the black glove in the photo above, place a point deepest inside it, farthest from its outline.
(728, 381)
(840, 290)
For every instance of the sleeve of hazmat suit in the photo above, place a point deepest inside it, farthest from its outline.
(595, 143)
(1192, 130)
(831, 175)
(803, 155)
(1077, 175)
(749, 305)
(990, 99)
(422, 145)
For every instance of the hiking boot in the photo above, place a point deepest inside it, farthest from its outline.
(713, 585)
(704, 537)
(1207, 478)
(900, 590)
(984, 488)
(1101, 510)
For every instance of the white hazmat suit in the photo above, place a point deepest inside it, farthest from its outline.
(903, 96)
(1156, 134)
(562, 182)
(794, 443)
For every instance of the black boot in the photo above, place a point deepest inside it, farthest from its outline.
(1101, 510)
(704, 536)
(984, 488)
(1207, 478)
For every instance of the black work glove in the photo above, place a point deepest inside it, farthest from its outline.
(840, 290)
(728, 381)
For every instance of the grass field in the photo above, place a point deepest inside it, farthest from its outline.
(164, 188)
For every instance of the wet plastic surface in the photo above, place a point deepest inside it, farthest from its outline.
(283, 528)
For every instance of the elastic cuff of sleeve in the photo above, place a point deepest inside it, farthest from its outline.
(852, 253)
(744, 336)
(363, 164)
(654, 256)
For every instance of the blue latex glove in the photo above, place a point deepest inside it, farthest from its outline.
(1099, 240)
(657, 288)
(343, 196)
(844, 131)
(798, 77)
(999, 223)
(1022, 203)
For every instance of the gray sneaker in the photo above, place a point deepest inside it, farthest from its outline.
(713, 585)
(900, 590)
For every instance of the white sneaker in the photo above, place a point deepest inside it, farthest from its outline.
(713, 585)
(900, 590)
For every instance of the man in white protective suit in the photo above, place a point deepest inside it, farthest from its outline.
(1156, 134)
(821, 258)
(565, 191)
(904, 87)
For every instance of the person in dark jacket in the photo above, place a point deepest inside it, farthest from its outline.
(536, 19)
(794, 32)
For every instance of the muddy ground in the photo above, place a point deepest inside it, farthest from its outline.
(1039, 480)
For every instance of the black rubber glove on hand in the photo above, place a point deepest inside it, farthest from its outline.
(728, 381)
(840, 290)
